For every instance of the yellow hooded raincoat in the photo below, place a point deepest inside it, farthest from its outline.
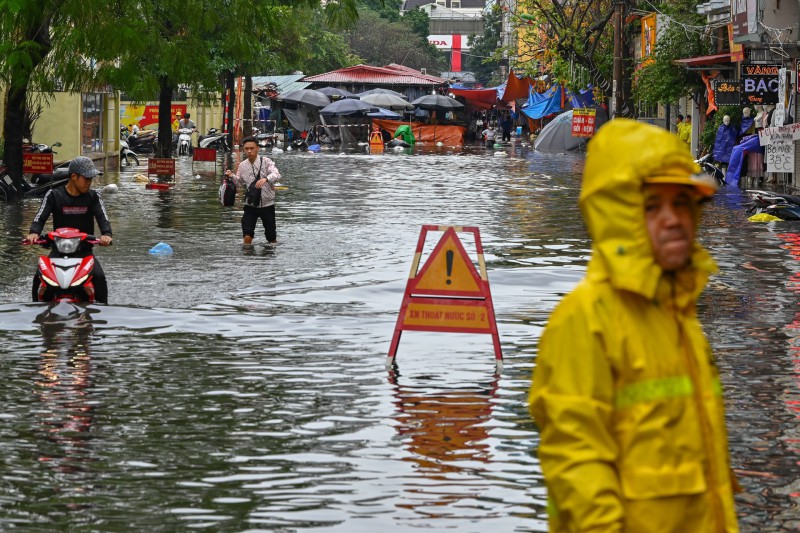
(625, 391)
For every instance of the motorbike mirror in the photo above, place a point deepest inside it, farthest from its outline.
(56, 144)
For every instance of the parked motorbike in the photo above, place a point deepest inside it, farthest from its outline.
(60, 172)
(265, 140)
(8, 189)
(783, 206)
(62, 276)
(141, 141)
(299, 144)
(214, 139)
(184, 141)
(127, 157)
(707, 164)
(37, 184)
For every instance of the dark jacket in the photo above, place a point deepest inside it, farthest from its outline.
(69, 211)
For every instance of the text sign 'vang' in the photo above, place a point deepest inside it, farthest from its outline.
(759, 84)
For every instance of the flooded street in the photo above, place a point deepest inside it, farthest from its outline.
(232, 389)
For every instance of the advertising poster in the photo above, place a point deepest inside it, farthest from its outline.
(146, 115)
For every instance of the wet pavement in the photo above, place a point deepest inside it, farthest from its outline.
(234, 389)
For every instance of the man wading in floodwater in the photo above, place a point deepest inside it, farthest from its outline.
(257, 176)
(625, 391)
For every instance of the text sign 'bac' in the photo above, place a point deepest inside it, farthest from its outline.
(447, 294)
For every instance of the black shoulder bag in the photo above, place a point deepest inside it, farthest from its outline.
(253, 195)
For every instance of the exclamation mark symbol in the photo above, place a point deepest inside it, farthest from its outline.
(449, 259)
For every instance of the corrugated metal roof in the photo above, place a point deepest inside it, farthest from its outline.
(366, 74)
(284, 84)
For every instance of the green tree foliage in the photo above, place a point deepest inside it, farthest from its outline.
(190, 43)
(660, 81)
(386, 9)
(380, 42)
(147, 48)
(573, 41)
(418, 21)
(38, 41)
(484, 55)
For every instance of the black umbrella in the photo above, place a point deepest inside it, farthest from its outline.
(383, 91)
(333, 92)
(387, 101)
(437, 102)
(347, 106)
(306, 96)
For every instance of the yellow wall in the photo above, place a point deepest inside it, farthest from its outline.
(61, 118)
(61, 121)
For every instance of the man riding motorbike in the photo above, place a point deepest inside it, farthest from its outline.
(75, 205)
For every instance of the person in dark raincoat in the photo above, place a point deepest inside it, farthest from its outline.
(725, 141)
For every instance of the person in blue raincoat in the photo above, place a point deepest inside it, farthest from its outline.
(748, 126)
(725, 141)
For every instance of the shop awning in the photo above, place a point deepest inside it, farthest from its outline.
(710, 62)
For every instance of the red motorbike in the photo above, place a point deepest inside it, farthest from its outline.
(63, 277)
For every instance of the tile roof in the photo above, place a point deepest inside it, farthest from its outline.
(365, 74)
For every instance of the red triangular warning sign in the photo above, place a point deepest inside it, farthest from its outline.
(447, 294)
(448, 271)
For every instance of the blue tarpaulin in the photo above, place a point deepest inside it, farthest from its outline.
(583, 98)
(542, 105)
(750, 144)
(723, 144)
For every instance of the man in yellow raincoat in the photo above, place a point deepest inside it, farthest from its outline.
(625, 391)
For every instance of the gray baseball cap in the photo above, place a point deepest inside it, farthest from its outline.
(83, 166)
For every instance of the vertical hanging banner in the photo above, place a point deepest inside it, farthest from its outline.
(447, 294)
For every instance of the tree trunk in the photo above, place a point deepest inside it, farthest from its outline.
(247, 107)
(164, 147)
(12, 137)
(37, 32)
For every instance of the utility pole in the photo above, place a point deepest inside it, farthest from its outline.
(616, 87)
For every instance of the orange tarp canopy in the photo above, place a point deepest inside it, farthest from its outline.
(517, 88)
(427, 133)
(480, 98)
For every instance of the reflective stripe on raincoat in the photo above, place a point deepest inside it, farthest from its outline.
(625, 391)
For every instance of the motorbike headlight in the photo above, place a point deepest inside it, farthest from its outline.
(67, 246)
(79, 281)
